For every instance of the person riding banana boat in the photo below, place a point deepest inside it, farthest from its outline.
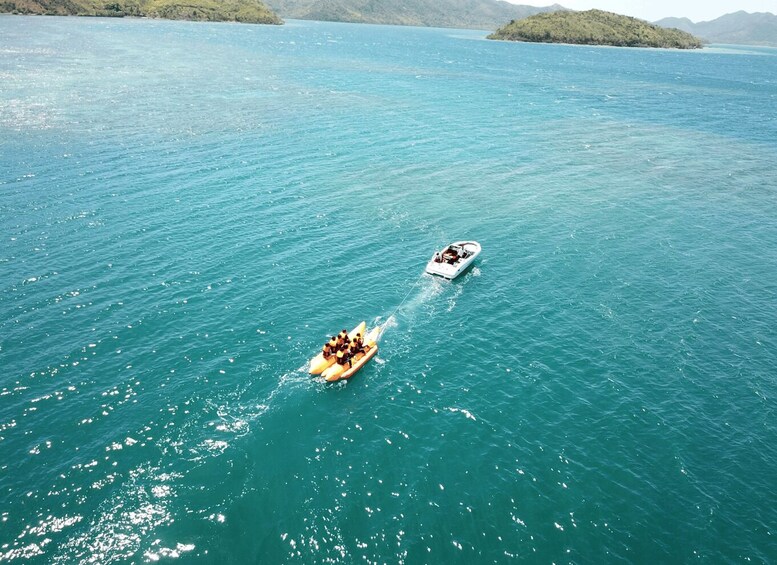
(344, 354)
(354, 350)
(329, 348)
(328, 354)
(353, 356)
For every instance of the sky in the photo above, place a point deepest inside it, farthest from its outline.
(652, 10)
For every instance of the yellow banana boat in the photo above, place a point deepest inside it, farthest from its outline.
(337, 372)
(318, 364)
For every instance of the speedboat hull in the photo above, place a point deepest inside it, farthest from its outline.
(454, 259)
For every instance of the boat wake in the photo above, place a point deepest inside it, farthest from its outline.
(421, 298)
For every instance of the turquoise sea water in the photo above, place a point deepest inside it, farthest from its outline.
(188, 210)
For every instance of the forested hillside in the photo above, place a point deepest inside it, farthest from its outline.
(595, 27)
(475, 14)
(247, 11)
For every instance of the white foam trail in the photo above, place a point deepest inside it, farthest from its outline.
(452, 300)
(391, 322)
(431, 287)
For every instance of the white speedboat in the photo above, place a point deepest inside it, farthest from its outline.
(454, 259)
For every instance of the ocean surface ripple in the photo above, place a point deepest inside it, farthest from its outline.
(189, 210)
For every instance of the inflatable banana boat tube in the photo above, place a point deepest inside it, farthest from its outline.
(318, 364)
(336, 372)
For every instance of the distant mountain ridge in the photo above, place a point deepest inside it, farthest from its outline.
(473, 14)
(758, 28)
(246, 11)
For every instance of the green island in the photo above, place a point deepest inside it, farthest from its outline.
(245, 11)
(595, 27)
